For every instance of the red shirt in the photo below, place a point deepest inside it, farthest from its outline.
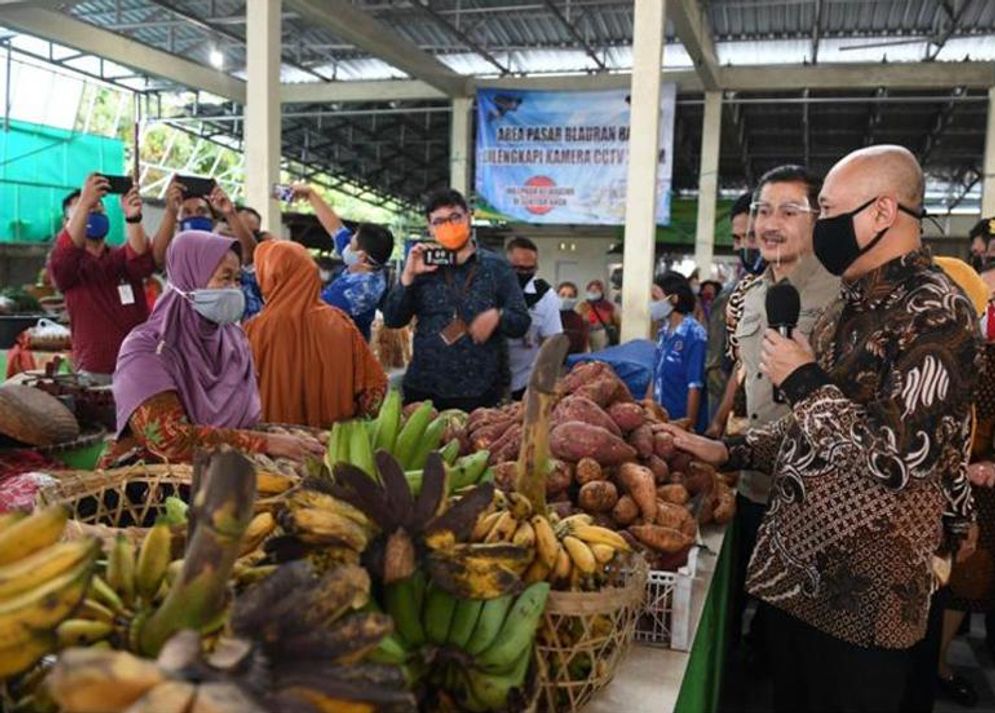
(98, 320)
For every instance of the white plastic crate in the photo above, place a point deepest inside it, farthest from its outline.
(666, 617)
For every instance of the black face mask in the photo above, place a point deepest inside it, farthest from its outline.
(752, 261)
(834, 240)
(524, 278)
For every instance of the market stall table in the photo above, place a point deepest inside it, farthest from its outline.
(658, 680)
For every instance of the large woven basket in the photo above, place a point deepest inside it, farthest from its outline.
(105, 503)
(585, 635)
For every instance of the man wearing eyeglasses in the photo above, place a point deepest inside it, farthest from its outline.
(464, 310)
(783, 212)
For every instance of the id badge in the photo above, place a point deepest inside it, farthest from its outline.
(126, 294)
(454, 331)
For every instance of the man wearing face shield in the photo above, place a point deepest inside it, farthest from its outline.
(102, 285)
(465, 310)
(869, 468)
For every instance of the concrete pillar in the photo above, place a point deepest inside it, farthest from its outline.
(708, 183)
(988, 183)
(644, 146)
(461, 145)
(262, 110)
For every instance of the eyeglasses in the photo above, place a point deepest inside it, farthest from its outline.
(453, 218)
(788, 211)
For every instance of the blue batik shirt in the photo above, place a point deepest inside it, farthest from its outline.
(358, 294)
(680, 366)
(253, 295)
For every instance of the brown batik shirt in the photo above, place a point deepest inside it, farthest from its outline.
(869, 468)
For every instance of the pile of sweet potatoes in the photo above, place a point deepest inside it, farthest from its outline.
(614, 460)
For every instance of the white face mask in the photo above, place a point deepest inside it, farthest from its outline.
(567, 303)
(324, 275)
(224, 305)
(661, 309)
(594, 295)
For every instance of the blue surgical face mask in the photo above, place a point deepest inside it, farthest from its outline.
(97, 225)
(350, 257)
(224, 305)
(197, 222)
(661, 309)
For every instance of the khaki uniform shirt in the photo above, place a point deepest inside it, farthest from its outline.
(818, 289)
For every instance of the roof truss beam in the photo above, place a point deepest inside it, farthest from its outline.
(575, 33)
(351, 24)
(691, 24)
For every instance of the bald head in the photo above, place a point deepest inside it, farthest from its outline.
(885, 170)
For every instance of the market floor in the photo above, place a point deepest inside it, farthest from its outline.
(747, 691)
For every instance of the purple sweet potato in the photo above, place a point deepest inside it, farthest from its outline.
(588, 470)
(642, 440)
(661, 471)
(580, 408)
(488, 436)
(663, 445)
(574, 440)
(600, 390)
(506, 448)
(627, 415)
(581, 374)
(559, 478)
(598, 496)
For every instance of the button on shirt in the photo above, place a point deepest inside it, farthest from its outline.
(463, 369)
(680, 366)
(522, 352)
(96, 288)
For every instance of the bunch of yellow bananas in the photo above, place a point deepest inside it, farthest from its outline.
(508, 519)
(319, 519)
(42, 581)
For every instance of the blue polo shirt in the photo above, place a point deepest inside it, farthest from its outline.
(680, 366)
(358, 294)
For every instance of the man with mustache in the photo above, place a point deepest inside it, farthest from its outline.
(784, 210)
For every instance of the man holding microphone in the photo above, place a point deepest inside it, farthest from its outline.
(869, 467)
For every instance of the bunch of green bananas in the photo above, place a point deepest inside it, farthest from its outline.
(494, 635)
(42, 581)
(409, 441)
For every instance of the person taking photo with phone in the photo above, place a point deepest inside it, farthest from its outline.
(465, 310)
(102, 285)
(360, 288)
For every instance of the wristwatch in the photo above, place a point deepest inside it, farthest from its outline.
(136, 219)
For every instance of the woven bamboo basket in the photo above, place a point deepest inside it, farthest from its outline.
(105, 503)
(585, 635)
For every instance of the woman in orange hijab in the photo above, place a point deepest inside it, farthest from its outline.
(314, 366)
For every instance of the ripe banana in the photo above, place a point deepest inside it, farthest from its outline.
(95, 611)
(42, 608)
(563, 565)
(121, 568)
(82, 632)
(489, 623)
(324, 527)
(581, 555)
(261, 526)
(504, 528)
(537, 572)
(439, 609)
(269, 484)
(464, 621)
(518, 630)
(32, 533)
(308, 498)
(485, 523)
(22, 655)
(411, 434)
(546, 544)
(95, 680)
(594, 534)
(29, 572)
(153, 559)
(603, 554)
(525, 535)
(521, 506)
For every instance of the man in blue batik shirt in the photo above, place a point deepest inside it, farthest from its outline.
(679, 373)
(358, 290)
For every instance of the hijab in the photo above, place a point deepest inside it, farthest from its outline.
(208, 365)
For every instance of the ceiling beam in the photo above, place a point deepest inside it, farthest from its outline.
(359, 91)
(349, 23)
(575, 33)
(471, 44)
(64, 30)
(692, 27)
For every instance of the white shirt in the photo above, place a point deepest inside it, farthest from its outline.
(522, 352)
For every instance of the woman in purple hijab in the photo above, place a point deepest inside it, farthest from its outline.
(185, 379)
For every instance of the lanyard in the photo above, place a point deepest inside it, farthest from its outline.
(461, 295)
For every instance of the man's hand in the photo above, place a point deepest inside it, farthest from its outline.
(704, 449)
(174, 195)
(95, 187)
(780, 357)
(301, 191)
(131, 203)
(982, 474)
(220, 202)
(714, 430)
(484, 324)
(415, 265)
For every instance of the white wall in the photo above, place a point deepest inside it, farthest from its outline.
(577, 259)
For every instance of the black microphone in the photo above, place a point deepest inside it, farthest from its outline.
(783, 304)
